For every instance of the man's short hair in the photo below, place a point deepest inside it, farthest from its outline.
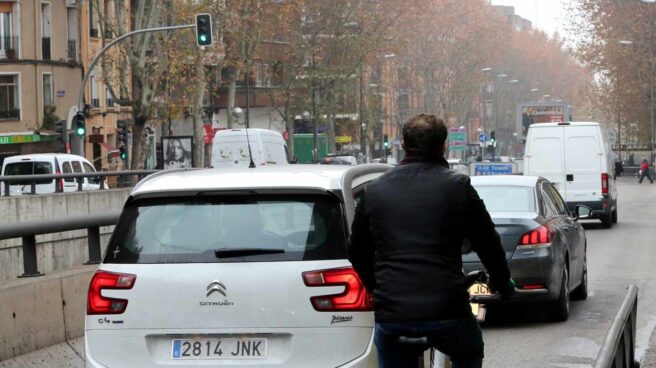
(424, 135)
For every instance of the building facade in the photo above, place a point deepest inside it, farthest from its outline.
(103, 115)
(39, 73)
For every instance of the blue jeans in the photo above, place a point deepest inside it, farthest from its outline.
(460, 339)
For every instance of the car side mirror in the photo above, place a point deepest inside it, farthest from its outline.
(582, 212)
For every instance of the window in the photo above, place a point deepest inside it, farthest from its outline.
(48, 99)
(556, 199)
(89, 169)
(507, 198)
(206, 229)
(93, 19)
(66, 169)
(108, 96)
(8, 42)
(72, 22)
(9, 97)
(95, 101)
(29, 168)
(45, 31)
(77, 168)
(262, 78)
(549, 209)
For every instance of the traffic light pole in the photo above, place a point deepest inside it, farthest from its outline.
(100, 54)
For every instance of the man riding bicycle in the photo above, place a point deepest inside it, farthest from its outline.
(405, 245)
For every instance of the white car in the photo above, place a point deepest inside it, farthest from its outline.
(234, 268)
(48, 163)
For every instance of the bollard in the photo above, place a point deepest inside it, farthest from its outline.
(29, 257)
(79, 184)
(7, 184)
(93, 242)
(33, 186)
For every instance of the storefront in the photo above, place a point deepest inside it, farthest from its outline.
(24, 143)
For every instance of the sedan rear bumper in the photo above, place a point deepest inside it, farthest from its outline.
(536, 272)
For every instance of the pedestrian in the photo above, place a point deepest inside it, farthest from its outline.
(645, 172)
(405, 245)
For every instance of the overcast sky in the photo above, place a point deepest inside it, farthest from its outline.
(547, 15)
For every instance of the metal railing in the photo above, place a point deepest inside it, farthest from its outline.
(33, 180)
(618, 349)
(45, 48)
(9, 47)
(30, 229)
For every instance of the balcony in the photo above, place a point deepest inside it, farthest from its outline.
(72, 50)
(95, 102)
(45, 48)
(11, 114)
(110, 102)
(9, 47)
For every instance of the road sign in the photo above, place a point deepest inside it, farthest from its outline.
(343, 139)
(481, 169)
(482, 137)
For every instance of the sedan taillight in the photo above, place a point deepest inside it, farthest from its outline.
(103, 280)
(354, 297)
(540, 237)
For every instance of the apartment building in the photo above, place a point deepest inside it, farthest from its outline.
(98, 28)
(39, 72)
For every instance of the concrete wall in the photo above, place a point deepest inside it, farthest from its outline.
(60, 251)
(39, 312)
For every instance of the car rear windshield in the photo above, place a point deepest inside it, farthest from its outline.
(29, 168)
(507, 198)
(237, 228)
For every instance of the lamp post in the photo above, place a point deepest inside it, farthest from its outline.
(485, 87)
(237, 112)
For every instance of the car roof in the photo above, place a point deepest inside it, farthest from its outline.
(323, 177)
(573, 123)
(242, 132)
(44, 156)
(509, 180)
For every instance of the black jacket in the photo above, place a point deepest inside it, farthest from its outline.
(406, 241)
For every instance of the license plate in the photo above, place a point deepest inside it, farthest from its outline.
(219, 348)
(479, 290)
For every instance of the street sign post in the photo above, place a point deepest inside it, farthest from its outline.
(457, 139)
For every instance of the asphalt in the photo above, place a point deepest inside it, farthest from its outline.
(521, 337)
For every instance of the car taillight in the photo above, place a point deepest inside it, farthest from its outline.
(354, 297)
(542, 236)
(604, 183)
(103, 280)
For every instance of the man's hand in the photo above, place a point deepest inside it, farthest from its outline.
(505, 289)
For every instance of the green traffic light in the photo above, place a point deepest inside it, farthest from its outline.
(124, 156)
(202, 38)
(80, 131)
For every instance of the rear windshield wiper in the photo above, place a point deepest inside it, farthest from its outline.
(245, 252)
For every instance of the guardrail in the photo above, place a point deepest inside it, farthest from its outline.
(29, 229)
(33, 179)
(618, 349)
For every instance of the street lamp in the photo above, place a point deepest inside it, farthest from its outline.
(237, 112)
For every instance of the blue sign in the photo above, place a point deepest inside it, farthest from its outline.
(482, 137)
(396, 142)
(492, 169)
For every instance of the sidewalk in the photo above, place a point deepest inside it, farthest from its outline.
(68, 354)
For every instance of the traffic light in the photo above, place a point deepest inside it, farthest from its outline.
(60, 129)
(203, 29)
(386, 141)
(493, 137)
(122, 139)
(80, 128)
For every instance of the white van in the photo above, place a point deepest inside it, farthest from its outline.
(230, 148)
(48, 163)
(578, 159)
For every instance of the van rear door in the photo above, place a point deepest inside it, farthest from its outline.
(545, 155)
(29, 166)
(583, 155)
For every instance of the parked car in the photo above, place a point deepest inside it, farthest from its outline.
(234, 267)
(48, 163)
(339, 160)
(545, 244)
(231, 148)
(577, 158)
